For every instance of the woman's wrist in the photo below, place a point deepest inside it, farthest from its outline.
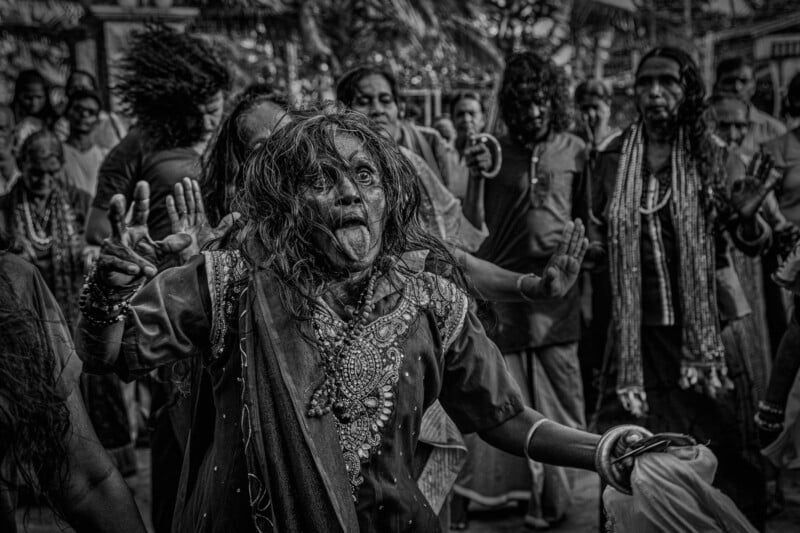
(528, 286)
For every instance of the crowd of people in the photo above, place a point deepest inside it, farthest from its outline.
(330, 318)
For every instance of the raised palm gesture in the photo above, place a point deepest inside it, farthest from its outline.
(130, 253)
(749, 193)
(187, 214)
(564, 266)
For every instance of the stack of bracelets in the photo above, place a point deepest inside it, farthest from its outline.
(102, 305)
(769, 417)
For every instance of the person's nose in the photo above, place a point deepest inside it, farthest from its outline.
(535, 111)
(346, 190)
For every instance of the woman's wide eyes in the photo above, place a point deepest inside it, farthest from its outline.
(364, 175)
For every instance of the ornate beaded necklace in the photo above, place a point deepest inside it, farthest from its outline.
(35, 229)
(329, 395)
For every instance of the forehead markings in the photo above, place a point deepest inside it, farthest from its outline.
(660, 66)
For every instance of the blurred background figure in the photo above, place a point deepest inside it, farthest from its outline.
(82, 157)
(444, 125)
(110, 128)
(33, 109)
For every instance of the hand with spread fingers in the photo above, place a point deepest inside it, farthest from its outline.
(749, 193)
(130, 253)
(564, 266)
(187, 215)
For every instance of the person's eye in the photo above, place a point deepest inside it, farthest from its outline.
(322, 181)
(386, 99)
(365, 175)
(362, 101)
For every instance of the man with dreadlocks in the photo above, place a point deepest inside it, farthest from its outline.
(322, 337)
(528, 205)
(173, 84)
(666, 202)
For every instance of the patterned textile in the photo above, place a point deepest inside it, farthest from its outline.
(703, 355)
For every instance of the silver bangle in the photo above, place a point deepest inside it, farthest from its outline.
(519, 286)
(529, 436)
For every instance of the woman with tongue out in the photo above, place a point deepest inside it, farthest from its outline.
(322, 340)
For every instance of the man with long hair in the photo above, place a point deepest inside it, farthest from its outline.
(528, 205)
(666, 204)
(322, 337)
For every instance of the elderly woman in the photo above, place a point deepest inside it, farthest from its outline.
(45, 218)
(322, 340)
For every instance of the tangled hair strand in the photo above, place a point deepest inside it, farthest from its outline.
(164, 78)
(34, 420)
(280, 222)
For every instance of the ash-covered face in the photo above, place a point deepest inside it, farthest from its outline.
(349, 199)
(659, 89)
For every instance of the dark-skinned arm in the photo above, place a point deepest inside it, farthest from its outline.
(494, 283)
(94, 497)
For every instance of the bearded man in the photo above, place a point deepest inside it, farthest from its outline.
(667, 206)
(321, 341)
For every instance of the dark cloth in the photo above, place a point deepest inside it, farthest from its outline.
(787, 362)
(445, 354)
(130, 162)
(523, 236)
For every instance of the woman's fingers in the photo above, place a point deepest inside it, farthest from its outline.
(141, 204)
(116, 216)
(188, 193)
(172, 213)
(180, 199)
(198, 198)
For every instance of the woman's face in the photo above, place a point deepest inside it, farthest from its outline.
(374, 98)
(40, 173)
(32, 98)
(349, 198)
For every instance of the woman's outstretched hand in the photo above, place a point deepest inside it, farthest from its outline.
(130, 253)
(187, 214)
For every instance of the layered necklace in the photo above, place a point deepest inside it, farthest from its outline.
(330, 395)
(38, 225)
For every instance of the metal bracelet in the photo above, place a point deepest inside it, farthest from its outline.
(603, 456)
(529, 436)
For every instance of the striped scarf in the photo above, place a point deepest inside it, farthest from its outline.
(703, 363)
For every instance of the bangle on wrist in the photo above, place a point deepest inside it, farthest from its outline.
(521, 292)
(529, 437)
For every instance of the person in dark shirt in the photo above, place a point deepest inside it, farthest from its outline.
(173, 84)
(535, 195)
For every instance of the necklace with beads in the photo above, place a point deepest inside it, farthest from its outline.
(329, 396)
(35, 225)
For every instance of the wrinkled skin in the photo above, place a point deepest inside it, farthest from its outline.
(351, 203)
(730, 122)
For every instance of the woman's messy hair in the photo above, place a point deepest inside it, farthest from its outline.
(34, 420)
(280, 221)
